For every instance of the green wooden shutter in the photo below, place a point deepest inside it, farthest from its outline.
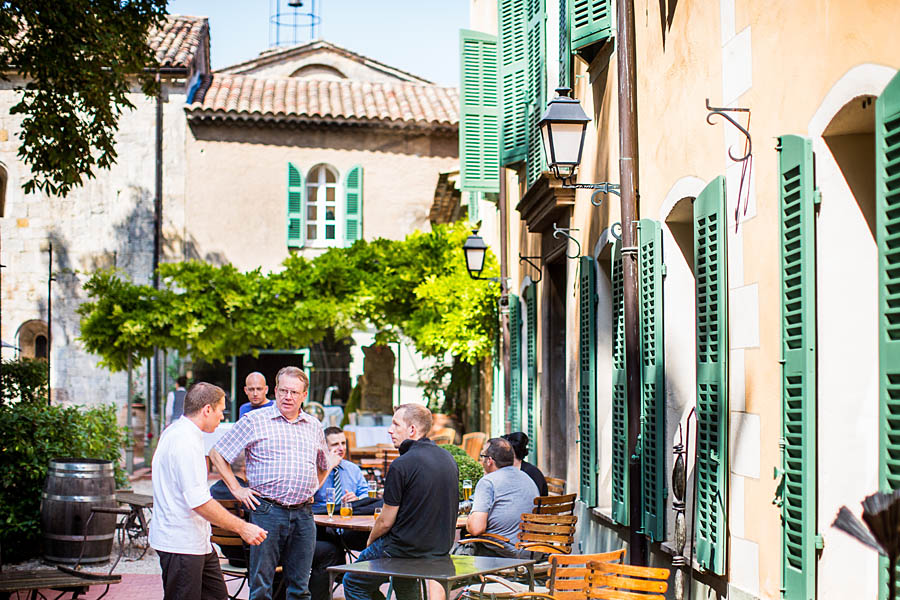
(531, 396)
(513, 66)
(887, 210)
(591, 21)
(620, 487)
(295, 237)
(353, 197)
(536, 91)
(587, 380)
(479, 134)
(515, 364)
(798, 382)
(565, 46)
(711, 469)
(653, 391)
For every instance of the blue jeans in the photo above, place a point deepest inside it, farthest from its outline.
(365, 587)
(291, 542)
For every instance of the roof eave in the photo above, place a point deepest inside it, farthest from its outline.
(221, 116)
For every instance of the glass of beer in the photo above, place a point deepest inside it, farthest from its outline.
(377, 512)
(346, 509)
(467, 489)
(373, 488)
(329, 502)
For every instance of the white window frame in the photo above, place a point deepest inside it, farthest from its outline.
(316, 195)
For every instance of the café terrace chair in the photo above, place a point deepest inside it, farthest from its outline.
(610, 581)
(351, 443)
(542, 534)
(227, 537)
(556, 486)
(554, 505)
(473, 442)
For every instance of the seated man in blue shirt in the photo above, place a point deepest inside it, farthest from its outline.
(349, 484)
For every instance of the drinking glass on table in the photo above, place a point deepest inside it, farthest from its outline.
(467, 489)
(329, 502)
(346, 509)
(377, 512)
(373, 488)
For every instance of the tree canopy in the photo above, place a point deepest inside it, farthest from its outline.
(77, 59)
(417, 287)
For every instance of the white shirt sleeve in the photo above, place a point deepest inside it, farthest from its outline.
(191, 474)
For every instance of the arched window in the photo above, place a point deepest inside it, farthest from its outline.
(40, 346)
(32, 339)
(322, 219)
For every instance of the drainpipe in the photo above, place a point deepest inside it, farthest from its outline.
(504, 299)
(628, 180)
(153, 365)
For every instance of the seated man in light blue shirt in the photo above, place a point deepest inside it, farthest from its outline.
(352, 485)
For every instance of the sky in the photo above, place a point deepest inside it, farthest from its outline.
(417, 36)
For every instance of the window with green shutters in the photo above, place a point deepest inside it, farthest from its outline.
(590, 21)
(798, 351)
(515, 363)
(711, 468)
(479, 132)
(587, 379)
(620, 487)
(536, 90)
(654, 448)
(531, 396)
(295, 238)
(353, 205)
(513, 67)
(887, 211)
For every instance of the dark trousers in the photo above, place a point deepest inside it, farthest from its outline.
(192, 576)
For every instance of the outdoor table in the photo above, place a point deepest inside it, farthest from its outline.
(33, 580)
(136, 525)
(445, 571)
(362, 522)
(370, 435)
(361, 452)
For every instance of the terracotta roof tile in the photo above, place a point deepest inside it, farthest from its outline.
(178, 40)
(226, 96)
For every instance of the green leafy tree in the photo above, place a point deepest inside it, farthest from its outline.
(78, 59)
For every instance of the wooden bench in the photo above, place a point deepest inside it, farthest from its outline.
(54, 579)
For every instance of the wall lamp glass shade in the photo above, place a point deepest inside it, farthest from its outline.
(475, 250)
(563, 127)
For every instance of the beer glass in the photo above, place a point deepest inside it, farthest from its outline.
(467, 489)
(373, 488)
(377, 512)
(329, 502)
(346, 509)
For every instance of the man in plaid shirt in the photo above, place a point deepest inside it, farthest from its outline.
(287, 461)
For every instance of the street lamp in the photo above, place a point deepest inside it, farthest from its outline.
(475, 250)
(563, 127)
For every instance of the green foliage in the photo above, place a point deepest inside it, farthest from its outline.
(468, 467)
(77, 58)
(30, 435)
(25, 379)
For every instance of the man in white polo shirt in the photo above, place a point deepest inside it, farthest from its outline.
(183, 507)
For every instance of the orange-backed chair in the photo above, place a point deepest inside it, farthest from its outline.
(351, 443)
(442, 439)
(554, 505)
(556, 485)
(473, 442)
(610, 581)
(443, 432)
(551, 534)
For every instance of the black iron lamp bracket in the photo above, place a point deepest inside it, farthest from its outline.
(723, 112)
(558, 231)
(600, 188)
(529, 259)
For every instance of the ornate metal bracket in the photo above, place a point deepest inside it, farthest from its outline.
(558, 231)
(529, 259)
(723, 112)
(612, 230)
(601, 188)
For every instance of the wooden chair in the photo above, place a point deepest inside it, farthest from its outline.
(386, 457)
(610, 581)
(473, 442)
(226, 537)
(551, 534)
(442, 432)
(556, 486)
(351, 443)
(554, 505)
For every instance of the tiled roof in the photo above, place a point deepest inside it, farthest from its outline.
(178, 41)
(236, 97)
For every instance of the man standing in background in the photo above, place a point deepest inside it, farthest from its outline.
(256, 389)
(175, 400)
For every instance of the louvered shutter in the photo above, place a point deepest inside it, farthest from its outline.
(515, 364)
(353, 203)
(479, 134)
(653, 393)
(536, 91)
(295, 237)
(531, 367)
(565, 46)
(798, 382)
(587, 379)
(591, 21)
(711, 469)
(887, 210)
(513, 66)
(620, 487)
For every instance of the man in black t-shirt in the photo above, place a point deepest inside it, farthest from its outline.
(519, 442)
(421, 502)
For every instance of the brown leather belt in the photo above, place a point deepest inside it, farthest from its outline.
(288, 506)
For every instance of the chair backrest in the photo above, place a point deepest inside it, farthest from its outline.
(473, 442)
(446, 432)
(552, 534)
(227, 537)
(554, 505)
(610, 581)
(386, 457)
(568, 573)
(351, 443)
(442, 439)
(556, 485)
